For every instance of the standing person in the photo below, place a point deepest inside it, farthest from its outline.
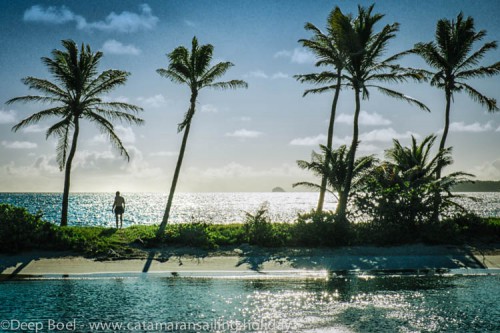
(119, 208)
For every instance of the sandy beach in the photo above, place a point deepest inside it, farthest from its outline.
(246, 259)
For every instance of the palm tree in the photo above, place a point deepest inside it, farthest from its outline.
(76, 94)
(331, 165)
(193, 69)
(326, 48)
(365, 48)
(450, 55)
(414, 166)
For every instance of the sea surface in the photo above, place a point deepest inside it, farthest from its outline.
(147, 208)
(163, 303)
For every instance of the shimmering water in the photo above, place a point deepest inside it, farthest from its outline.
(353, 304)
(147, 208)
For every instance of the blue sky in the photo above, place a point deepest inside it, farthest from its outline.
(244, 140)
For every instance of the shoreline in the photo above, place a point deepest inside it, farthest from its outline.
(246, 260)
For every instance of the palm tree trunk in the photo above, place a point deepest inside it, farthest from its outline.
(166, 215)
(342, 206)
(445, 130)
(329, 143)
(67, 174)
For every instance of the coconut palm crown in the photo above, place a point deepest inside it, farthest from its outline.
(75, 95)
(455, 62)
(193, 69)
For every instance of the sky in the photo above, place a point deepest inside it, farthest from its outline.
(240, 140)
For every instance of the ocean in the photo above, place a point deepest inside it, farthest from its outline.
(94, 209)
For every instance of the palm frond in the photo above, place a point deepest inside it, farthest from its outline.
(401, 96)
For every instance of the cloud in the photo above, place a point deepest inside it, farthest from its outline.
(475, 127)
(115, 47)
(51, 15)
(385, 135)
(488, 170)
(190, 23)
(244, 134)
(259, 74)
(164, 153)
(125, 22)
(34, 129)
(365, 118)
(19, 145)
(7, 116)
(309, 141)
(121, 99)
(297, 56)
(244, 118)
(209, 108)
(156, 101)
(126, 134)
(498, 129)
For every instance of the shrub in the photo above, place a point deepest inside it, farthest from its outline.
(20, 230)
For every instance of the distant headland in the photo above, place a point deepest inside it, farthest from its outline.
(278, 189)
(478, 186)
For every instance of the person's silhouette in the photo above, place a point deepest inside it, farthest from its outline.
(119, 208)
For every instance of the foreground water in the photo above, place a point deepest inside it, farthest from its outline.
(154, 303)
(147, 208)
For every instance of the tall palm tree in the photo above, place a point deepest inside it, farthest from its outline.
(365, 48)
(332, 165)
(454, 62)
(328, 53)
(192, 69)
(75, 94)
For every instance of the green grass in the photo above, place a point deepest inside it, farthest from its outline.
(20, 230)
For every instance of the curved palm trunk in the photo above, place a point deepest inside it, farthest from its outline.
(67, 174)
(446, 128)
(329, 142)
(342, 206)
(166, 215)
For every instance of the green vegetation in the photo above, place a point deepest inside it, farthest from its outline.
(193, 69)
(450, 55)
(22, 231)
(76, 94)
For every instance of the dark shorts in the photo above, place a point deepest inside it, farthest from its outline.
(119, 210)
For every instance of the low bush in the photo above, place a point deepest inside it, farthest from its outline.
(20, 230)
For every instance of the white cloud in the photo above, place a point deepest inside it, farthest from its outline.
(279, 75)
(34, 129)
(488, 170)
(120, 99)
(52, 15)
(498, 129)
(475, 127)
(244, 134)
(365, 118)
(115, 47)
(244, 118)
(385, 135)
(209, 108)
(126, 134)
(164, 153)
(123, 22)
(309, 141)
(190, 23)
(19, 144)
(298, 56)
(156, 101)
(7, 116)
(257, 74)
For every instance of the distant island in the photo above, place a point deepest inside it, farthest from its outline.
(278, 189)
(478, 186)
